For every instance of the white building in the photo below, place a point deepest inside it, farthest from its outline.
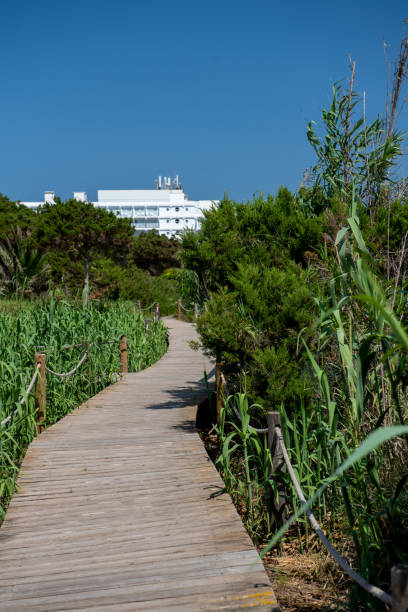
(166, 208)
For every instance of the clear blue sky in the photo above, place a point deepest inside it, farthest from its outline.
(108, 95)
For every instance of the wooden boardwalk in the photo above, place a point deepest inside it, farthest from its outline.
(119, 507)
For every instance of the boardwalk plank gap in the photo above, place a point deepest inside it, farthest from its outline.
(120, 509)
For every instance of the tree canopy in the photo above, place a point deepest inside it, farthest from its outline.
(79, 231)
(155, 253)
(14, 215)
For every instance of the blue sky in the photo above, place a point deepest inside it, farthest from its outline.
(108, 95)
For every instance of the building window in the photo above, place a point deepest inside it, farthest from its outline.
(168, 220)
(177, 208)
(177, 220)
(186, 208)
(152, 223)
(127, 211)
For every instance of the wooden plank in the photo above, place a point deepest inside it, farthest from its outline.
(234, 586)
(119, 507)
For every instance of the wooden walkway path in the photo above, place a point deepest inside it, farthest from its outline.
(119, 507)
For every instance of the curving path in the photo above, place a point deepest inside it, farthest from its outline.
(119, 507)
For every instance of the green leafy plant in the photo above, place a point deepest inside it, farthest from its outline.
(351, 151)
(23, 270)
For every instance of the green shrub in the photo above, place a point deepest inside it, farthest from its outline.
(269, 231)
(131, 283)
(254, 329)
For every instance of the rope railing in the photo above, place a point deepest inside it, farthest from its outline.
(195, 310)
(71, 346)
(148, 307)
(64, 374)
(23, 399)
(41, 369)
(64, 347)
(89, 344)
(186, 309)
(280, 444)
(370, 588)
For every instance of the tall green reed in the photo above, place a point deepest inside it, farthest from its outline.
(245, 465)
(360, 366)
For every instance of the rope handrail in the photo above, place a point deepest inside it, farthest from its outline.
(64, 374)
(23, 399)
(147, 307)
(370, 588)
(186, 309)
(231, 404)
(85, 345)
(79, 344)
(362, 582)
(70, 346)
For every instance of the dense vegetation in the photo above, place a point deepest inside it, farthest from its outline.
(307, 309)
(252, 260)
(46, 326)
(73, 245)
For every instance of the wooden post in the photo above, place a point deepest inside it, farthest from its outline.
(148, 324)
(40, 390)
(399, 587)
(205, 307)
(139, 305)
(273, 420)
(195, 312)
(219, 390)
(278, 465)
(179, 309)
(123, 354)
(156, 311)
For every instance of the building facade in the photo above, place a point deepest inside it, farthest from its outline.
(166, 209)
